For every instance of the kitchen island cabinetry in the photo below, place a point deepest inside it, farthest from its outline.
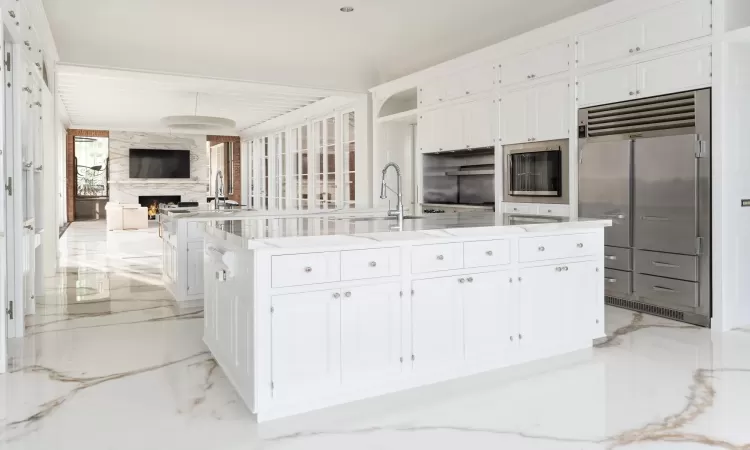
(303, 322)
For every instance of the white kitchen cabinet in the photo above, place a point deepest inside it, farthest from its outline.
(479, 119)
(513, 111)
(679, 22)
(488, 325)
(550, 111)
(370, 333)
(195, 268)
(607, 86)
(436, 324)
(426, 130)
(536, 114)
(305, 343)
(478, 79)
(680, 72)
(470, 81)
(539, 63)
(448, 128)
(432, 93)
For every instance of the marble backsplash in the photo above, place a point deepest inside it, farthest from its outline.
(123, 189)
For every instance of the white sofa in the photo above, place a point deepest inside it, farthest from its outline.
(126, 216)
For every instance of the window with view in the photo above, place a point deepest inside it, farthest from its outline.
(92, 166)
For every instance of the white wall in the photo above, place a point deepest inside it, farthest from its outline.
(123, 189)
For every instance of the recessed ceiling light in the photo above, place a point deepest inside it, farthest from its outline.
(346, 9)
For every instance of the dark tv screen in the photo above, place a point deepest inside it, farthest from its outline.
(159, 163)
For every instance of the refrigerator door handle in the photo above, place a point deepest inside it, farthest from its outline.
(663, 289)
(655, 218)
(661, 264)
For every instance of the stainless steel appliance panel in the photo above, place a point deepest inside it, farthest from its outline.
(537, 172)
(604, 187)
(666, 192)
(670, 265)
(618, 283)
(617, 258)
(676, 294)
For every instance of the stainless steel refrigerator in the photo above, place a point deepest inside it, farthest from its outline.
(646, 164)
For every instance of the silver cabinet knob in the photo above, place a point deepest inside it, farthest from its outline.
(461, 280)
(12, 13)
(510, 280)
(580, 245)
(541, 248)
(470, 280)
(489, 252)
(610, 257)
(373, 264)
(347, 294)
(511, 339)
(631, 50)
(638, 49)
(336, 295)
(308, 269)
(520, 336)
(440, 257)
(558, 269)
(565, 268)
(631, 93)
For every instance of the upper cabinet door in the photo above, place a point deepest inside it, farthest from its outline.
(675, 73)
(432, 93)
(552, 111)
(516, 69)
(679, 22)
(447, 125)
(514, 116)
(426, 131)
(478, 79)
(550, 60)
(607, 86)
(479, 119)
(606, 44)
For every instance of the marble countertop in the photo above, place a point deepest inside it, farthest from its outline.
(210, 214)
(331, 230)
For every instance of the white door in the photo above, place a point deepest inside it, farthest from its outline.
(479, 123)
(516, 69)
(542, 301)
(679, 22)
(552, 111)
(681, 72)
(478, 79)
(607, 44)
(513, 115)
(370, 333)
(580, 309)
(487, 316)
(607, 86)
(305, 343)
(550, 60)
(448, 131)
(195, 268)
(436, 324)
(425, 132)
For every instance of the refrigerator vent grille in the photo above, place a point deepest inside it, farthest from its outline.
(638, 116)
(643, 307)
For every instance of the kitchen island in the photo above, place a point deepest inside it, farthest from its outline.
(304, 313)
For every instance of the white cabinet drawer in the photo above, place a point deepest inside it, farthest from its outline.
(556, 247)
(554, 210)
(308, 268)
(486, 253)
(517, 208)
(433, 258)
(375, 263)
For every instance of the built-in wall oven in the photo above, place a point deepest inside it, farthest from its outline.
(536, 172)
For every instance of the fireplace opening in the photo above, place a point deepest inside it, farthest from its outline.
(152, 202)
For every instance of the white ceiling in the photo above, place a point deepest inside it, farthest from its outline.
(290, 42)
(127, 100)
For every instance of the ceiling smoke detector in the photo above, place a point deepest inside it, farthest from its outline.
(346, 9)
(196, 122)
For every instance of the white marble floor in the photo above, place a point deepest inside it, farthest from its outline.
(110, 363)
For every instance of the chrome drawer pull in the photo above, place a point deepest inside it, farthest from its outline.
(440, 257)
(373, 264)
(565, 268)
(347, 294)
(461, 280)
(611, 280)
(610, 257)
(541, 248)
(308, 269)
(336, 295)
(558, 269)
(579, 245)
(661, 264)
(489, 252)
(663, 289)
(470, 280)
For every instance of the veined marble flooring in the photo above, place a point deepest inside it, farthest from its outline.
(109, 362)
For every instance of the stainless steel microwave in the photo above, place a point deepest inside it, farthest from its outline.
(536, 172)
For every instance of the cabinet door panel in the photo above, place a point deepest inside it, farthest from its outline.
(432, 93)
(552, 111)
(679, 22)
(305, 343)
(195, 268)
(448, 132)
(550, 60)
(478, 124)
(436, 324)
(426, 131)
(607, 86)
(542, 298)
(581, 308)
(607, 44)
(675, 73)
(487, 322)
(370, 333)
(513, 111)
(516, 69)
(478, 79)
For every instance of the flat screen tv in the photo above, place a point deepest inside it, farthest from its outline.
(159, 163)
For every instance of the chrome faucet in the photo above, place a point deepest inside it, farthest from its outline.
(218, 189)
(399, 211)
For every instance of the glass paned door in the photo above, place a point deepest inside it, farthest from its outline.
(294, 177)
(304, 150)
(264, 168)
(324, 132)
(280, 170)
(348, 141)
